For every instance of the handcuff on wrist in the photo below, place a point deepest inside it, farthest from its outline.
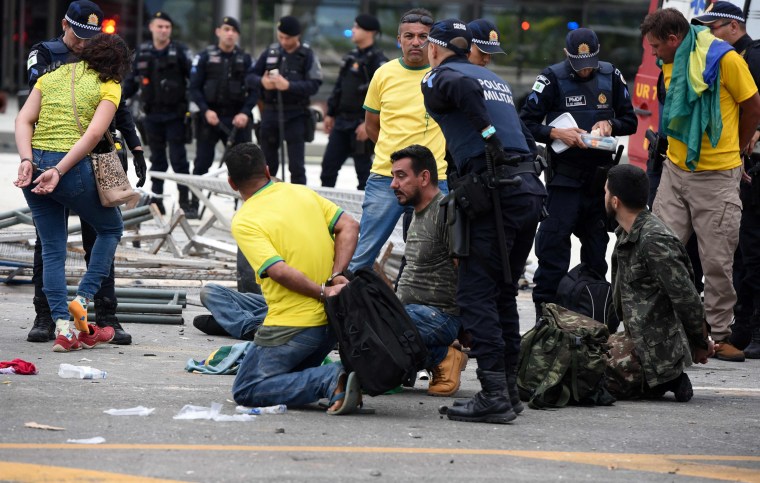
(332, 277)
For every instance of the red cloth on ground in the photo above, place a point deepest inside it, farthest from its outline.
(20, 366)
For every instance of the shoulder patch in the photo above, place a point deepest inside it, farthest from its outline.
(539, 87)
(543, 79)
(32, 60)
(620, 74)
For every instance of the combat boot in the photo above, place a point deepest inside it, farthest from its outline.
(490, 405)
(44, 325)
(752, 351)
(186, 204)
(447, 375)
(105, 316)
(512, 390)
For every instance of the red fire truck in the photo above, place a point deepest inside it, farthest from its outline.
(645, 88)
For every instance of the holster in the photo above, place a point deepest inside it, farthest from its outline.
(457, 225)
(472, 195)
(658, 147)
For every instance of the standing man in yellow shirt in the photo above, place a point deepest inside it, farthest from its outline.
(699, 190)
(396, 117)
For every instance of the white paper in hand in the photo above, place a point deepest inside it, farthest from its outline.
(564, 120)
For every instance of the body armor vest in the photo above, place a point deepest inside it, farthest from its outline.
(162, 80)
(225, 79)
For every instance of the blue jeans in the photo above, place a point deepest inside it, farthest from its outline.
(288, 374)
(437, 329)
(238, 313)
(380, 213)
(75, 191)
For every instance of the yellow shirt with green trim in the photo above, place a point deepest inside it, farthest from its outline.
(57, 129)
(736, 86)
(290, 223)
(395, 94)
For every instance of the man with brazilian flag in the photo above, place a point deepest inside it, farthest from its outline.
(712, 109)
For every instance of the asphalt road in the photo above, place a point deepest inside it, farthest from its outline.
(712, 437)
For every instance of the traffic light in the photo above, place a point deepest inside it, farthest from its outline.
(109, 26)
(525, 25)
(572, 25)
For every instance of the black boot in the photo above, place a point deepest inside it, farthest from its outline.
(752, 351)
(44, 325)
(490, 405)
(186, 204)
(514, 393)
(105, 316)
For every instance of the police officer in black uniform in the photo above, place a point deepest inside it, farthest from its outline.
(160, 72)
(288, 73)
(497, 178)
(728, 22)
(82, 21)
(597, 97)
(344, 121)
(217, 86)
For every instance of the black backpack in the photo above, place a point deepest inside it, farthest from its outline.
(585, 291)
(376, 337)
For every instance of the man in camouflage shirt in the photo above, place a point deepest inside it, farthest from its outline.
(654, 296)
(428, 284)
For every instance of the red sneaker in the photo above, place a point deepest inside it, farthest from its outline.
(64, 344)
(96, 335)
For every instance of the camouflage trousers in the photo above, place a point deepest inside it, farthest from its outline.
(624, 374)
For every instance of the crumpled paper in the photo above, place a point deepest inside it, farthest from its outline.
(213, 413)
(136, 411)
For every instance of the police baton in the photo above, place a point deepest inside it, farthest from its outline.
(494, 184)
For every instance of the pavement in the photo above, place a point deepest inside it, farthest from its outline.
(713, 437)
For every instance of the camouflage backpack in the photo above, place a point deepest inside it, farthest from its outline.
(563, 359)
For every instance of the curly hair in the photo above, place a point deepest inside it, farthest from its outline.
(108, 55)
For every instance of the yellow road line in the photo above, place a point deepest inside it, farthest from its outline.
(689, 465)
(28, 473)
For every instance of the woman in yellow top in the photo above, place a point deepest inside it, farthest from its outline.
(56, 174)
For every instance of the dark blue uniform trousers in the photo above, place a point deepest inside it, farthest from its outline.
(163, 129)
(342, 144)
(208, 136)
(747, 260)
(571, 212)
(488, 305)
(295, 123)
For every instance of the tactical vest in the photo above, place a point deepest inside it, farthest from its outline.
(589, 101)
(293, 68)
(225, 79)
(464, 141)
(355, 76)
(58, 50)
(162, 79)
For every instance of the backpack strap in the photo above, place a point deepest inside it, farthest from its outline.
(539, 398)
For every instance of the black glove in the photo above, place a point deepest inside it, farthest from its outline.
(495, 150)
(140, 168)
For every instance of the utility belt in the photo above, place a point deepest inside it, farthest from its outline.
(285, 107)
(592, 179)
(226, 111)
(471, 197)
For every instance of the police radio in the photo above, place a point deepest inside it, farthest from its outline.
(273, 60)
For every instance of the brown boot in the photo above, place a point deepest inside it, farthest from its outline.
(447, 374)
(725, 351)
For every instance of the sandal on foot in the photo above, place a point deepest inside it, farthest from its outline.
(351, 397)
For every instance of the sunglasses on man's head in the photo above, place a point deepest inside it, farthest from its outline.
(416, 18)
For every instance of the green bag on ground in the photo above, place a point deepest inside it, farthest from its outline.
(562, 361)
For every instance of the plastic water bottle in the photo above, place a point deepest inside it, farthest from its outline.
(68, 371)
(606, 143)
(279, 409)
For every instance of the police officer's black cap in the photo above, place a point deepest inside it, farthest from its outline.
(368, 22)
(232, 22)
(725, 11)
(485, 36)
(163, 16)
(289, 25)
(582, 49)
(444, 32)
(85, 18)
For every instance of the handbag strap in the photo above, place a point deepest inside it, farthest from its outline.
(74, 107)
